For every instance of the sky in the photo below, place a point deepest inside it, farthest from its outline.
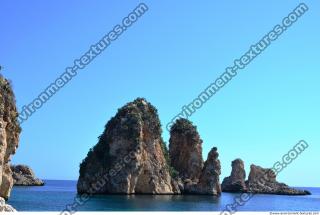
(168, 56)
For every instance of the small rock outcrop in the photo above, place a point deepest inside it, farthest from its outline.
(4, 207)
(24, 176)
(185, 150)
(236, 181)
(9, 135)
(264, 181)
(129, 157)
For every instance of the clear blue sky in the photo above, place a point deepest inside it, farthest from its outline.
(169, 56)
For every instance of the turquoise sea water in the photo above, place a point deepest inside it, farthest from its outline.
(55, 195)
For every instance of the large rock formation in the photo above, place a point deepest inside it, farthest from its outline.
(24, 176)
(185, 150)
(236, 181)
(9, 135)
(263, 180)
(4, 207)
(129, 157)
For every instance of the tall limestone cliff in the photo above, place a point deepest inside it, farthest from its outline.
(129, 157)
(9, 135)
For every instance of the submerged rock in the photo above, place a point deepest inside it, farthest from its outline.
(263, 180)
(129, 157)
(24, 176)
(185, 150)
(4, 207)
(236, 181)
(9, 135)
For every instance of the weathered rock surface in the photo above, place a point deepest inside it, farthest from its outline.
(209, 183)
(9, 135)
(24, 176)
(236, 181)
(129, 157)
(4, 207)
(263, 180)
(185, 150)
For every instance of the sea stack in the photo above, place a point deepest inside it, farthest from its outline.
(24, 176)
(9, 138)
(236, 181)
(209, 182)
(185, 150)
(186, 157)
(129, 157)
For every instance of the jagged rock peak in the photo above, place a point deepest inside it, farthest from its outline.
(236, 181)
(185, 149)
(129, 155)
(9, 135)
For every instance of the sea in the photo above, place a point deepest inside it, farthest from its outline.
(56, 195)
